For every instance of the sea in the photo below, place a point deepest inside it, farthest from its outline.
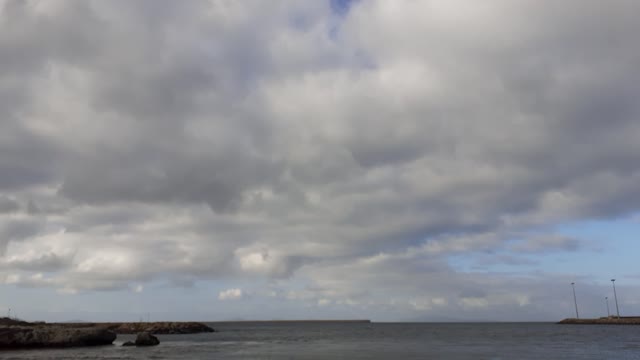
(299, 340)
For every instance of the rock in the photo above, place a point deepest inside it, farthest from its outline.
(5, 321)
(146, 339)
(14, 337)
(129, 343)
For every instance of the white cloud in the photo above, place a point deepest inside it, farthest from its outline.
(12, 279)
(230, 294)
(473, 302)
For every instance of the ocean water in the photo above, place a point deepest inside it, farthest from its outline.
(374, 341)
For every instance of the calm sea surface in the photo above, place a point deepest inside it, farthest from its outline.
(374, 341)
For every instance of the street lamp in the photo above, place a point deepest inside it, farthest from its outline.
(606, 298)
(615, 296)
(575, 301)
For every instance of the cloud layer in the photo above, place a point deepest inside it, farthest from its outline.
(354, 149)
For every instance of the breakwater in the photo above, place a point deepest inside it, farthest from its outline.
(612, 320)
(159, 327)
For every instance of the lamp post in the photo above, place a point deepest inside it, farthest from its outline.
(615, 296)
(575, 301)
(606, 298)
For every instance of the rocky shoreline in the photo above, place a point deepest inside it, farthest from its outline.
(34, 337)
(612, 320)
(16, 334)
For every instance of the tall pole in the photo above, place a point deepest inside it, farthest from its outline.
(575, 301)
(615, 296)
(606, 298)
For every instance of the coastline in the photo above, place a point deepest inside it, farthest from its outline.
(362, 321)
(612, 320)
(17, 334)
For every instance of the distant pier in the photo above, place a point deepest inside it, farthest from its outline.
(612, 320)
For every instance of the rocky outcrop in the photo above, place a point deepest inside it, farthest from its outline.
(16, 337)
(5, 321)
(146, 339)
(21, 334)
(143, 339)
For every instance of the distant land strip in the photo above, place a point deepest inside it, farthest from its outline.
(612, 320)
(289, 321)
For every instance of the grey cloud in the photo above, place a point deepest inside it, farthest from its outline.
(45, 263)
(218, 180)
(484, 261)
(538, 244)
(122, 119)
(8, 205)
(18, 230)
(26, 160)
(473, 293)
(32, 208)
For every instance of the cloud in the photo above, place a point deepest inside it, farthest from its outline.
(8, 205)
(230, 294)
(546, 243)
(32, 262)
(18, 228)
(313, 143)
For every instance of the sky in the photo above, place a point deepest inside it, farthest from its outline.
(418, 160)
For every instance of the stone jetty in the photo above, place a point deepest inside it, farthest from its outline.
(160, 327)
